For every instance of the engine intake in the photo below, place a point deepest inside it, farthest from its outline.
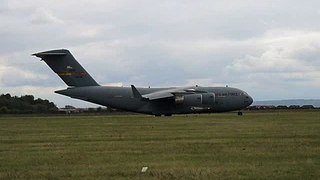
(196, 100)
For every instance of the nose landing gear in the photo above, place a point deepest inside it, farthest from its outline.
(240, 113)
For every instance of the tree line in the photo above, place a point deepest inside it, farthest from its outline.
(26, 104)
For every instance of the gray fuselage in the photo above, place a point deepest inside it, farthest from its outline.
(226, 99)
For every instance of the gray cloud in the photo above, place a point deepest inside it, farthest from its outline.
(269, 48)
(42, 16)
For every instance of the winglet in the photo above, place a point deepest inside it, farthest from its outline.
(135, 92)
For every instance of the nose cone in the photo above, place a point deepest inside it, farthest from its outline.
(250, 101)
(247, 100)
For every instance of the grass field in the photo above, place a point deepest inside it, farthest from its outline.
(278, 145)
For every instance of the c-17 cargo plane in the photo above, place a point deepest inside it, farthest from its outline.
(154, 101)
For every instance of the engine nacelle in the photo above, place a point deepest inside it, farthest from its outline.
(193, 100)
(196, 100)
(208, 99)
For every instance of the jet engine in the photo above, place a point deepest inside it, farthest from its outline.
(208, 99)
(196, 100)
(193, 100)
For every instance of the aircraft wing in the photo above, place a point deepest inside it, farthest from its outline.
(167, 93)
(159, 94)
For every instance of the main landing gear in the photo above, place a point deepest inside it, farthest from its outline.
(240, 113)
(158, 115)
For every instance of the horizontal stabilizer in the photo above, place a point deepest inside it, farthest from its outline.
(42, 54)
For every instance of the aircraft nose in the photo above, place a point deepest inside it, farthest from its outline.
(248, 100)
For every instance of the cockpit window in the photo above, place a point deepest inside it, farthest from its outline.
(243, 93)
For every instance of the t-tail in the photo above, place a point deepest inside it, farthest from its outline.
(66, 66)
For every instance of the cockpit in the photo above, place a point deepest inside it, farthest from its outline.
(247, 99)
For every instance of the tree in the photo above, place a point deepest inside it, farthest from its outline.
(4, 110)
(25, 104)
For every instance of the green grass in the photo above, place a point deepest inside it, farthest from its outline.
(281, 145)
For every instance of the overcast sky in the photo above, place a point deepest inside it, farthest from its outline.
(271, 49)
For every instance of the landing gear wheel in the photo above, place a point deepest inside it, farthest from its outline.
(157, 115)
(240, 113)
(168, 115)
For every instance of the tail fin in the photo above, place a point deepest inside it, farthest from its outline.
(66, 66)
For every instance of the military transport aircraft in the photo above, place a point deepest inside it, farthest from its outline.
(154, 101)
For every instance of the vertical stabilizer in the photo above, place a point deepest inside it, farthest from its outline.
(66, 66)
